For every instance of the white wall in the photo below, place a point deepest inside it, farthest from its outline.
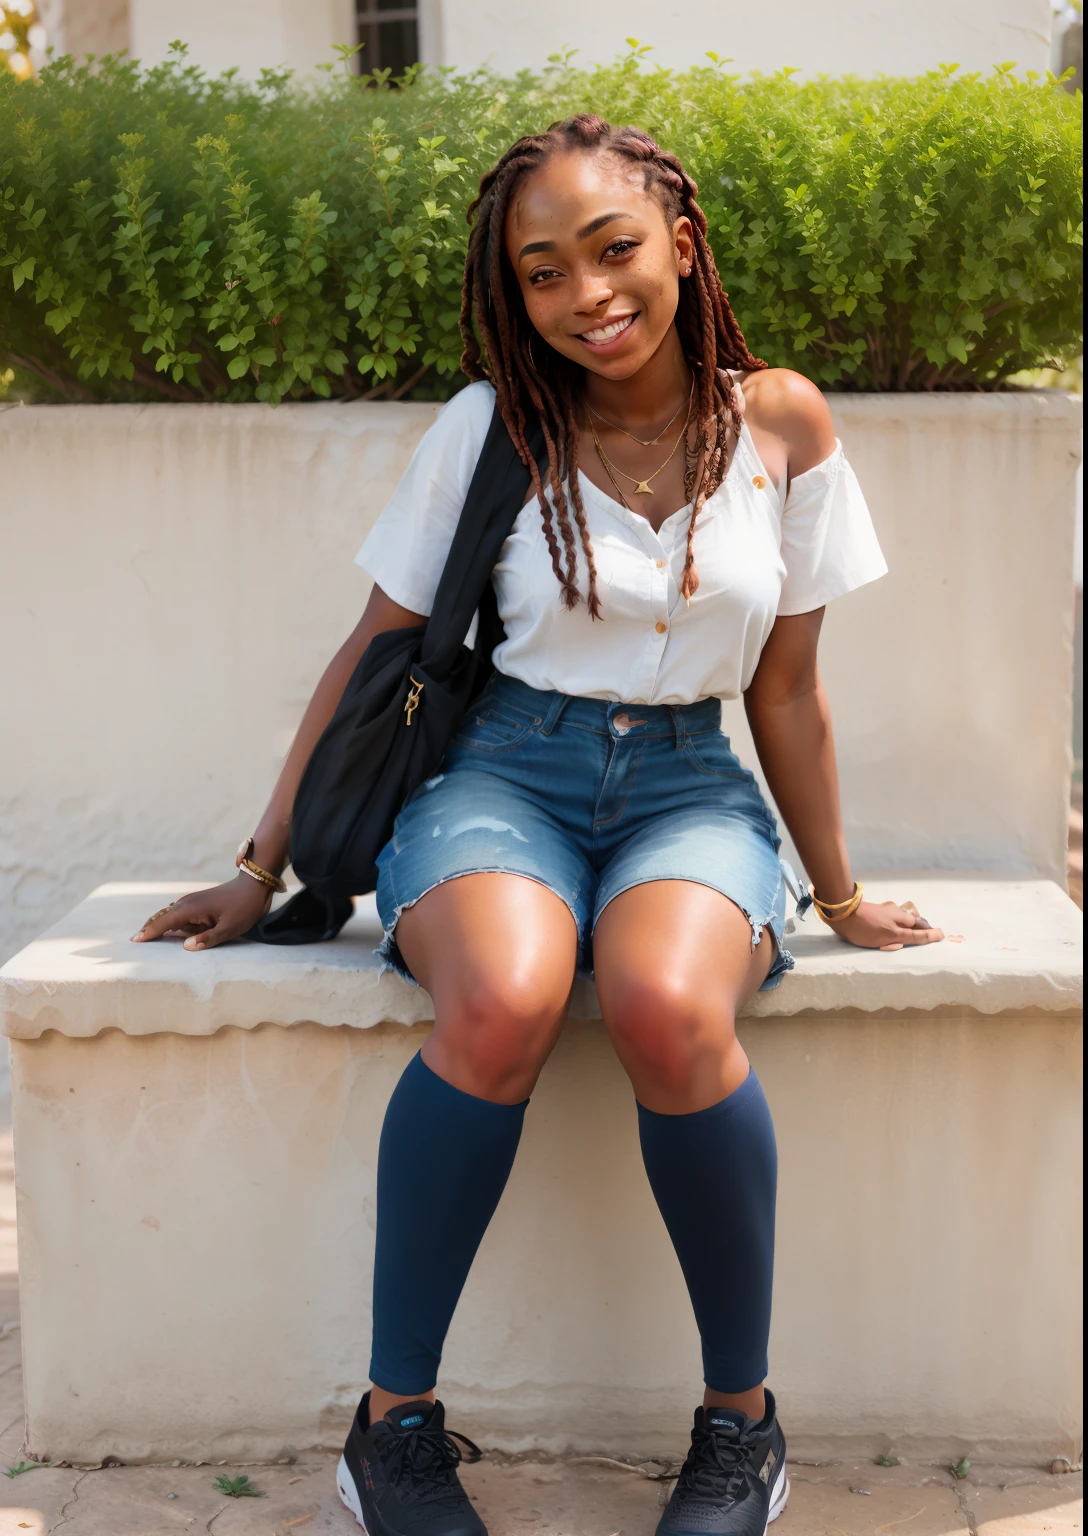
(832, 36)
(818, 36)
(173, 578)
(246, 34)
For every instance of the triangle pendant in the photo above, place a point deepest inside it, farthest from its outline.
(643, 488)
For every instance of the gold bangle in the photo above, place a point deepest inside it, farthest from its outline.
(262, 876)
(243, 862)
(832, 912)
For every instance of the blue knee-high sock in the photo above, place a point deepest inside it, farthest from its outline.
(443, 1162)
(714, 1175)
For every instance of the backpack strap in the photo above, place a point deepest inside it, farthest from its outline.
(494, 498)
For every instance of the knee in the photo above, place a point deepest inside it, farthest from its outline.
(668, 1031)
(495, 1035)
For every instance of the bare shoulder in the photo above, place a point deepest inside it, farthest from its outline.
(788, 406)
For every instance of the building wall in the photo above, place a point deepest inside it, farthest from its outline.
(177, 576)
(247, 34)
(818, 36)
(85, 27)
(833, 36)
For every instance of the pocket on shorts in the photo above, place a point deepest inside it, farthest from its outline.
(710, 752)
(492, 729)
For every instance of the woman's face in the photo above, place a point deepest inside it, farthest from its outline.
(598, 265)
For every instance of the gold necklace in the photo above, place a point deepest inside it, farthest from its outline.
(664, 429)
(608, 468)
(642, 487)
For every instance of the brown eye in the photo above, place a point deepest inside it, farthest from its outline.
(621, 247)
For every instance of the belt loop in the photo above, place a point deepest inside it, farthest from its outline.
(678, 726)
(555, 713)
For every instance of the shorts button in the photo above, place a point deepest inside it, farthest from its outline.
(760, 482)
(661, 628)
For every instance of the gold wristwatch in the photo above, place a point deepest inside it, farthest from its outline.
(244, 862)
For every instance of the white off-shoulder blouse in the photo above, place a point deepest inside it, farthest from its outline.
(759, 554)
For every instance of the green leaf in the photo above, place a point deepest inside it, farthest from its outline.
(238, 366)
(238, 1487)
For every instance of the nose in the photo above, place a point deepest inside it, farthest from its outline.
(592, 291)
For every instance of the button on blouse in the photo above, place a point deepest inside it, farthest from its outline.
(759, 554)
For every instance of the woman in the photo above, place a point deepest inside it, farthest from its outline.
(589, 811)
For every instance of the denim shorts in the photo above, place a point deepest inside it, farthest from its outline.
(589, 799)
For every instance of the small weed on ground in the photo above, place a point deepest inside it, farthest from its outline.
(26, 1466)
(238, 1487)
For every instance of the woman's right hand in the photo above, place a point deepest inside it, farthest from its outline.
(210, 917)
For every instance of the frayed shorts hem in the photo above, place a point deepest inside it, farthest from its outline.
(388, 952)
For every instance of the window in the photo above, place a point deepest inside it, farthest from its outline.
(390, 31)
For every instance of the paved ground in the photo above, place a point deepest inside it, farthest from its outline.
(518, 1498)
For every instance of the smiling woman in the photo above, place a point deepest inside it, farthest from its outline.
(603, 289)
(691, 518)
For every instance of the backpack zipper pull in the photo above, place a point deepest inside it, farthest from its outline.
(412, 702)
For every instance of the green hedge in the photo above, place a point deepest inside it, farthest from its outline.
(163, 234)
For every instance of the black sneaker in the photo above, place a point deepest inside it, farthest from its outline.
(734, 1481)
(399, 1476)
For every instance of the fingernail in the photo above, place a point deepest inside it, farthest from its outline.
(135, 939)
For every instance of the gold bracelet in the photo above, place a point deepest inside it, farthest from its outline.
(254, 871)
(262, 876)
(832, 912)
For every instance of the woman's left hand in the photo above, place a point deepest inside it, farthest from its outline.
(883, 925)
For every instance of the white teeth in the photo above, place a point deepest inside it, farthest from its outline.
(607, 332)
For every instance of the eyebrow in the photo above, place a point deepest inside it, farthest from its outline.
(583, 234)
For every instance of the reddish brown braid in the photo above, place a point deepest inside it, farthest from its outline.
(492, 306)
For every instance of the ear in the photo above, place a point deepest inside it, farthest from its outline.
(683, 239)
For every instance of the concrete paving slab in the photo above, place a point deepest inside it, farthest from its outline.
(561, 1499)
(536, 1497)
(21, 1522)
(827, 1508)
(48, 1492)
(1027, 1508)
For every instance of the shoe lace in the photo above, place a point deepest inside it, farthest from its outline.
(715, 1465)
(422, 1464)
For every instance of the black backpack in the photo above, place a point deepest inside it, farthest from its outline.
(402, 705)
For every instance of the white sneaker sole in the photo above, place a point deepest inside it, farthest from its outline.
(779, 1496)
(345, 1487)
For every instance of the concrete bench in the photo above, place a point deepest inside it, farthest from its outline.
(196, 1141)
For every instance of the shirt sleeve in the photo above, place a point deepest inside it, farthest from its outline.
(829, 544)
(407, 547)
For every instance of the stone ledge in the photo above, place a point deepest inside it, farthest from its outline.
(1016, 948)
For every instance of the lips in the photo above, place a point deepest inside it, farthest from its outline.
(606, 333)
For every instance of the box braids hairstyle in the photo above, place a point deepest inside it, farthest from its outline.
(491, 304)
